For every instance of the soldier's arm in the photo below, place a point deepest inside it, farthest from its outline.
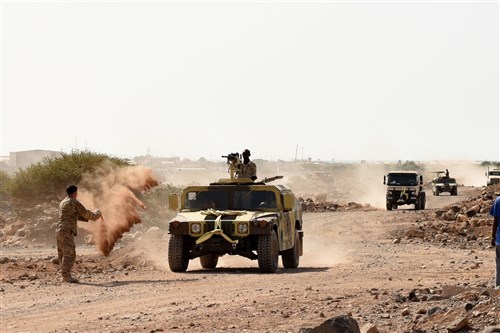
(254, 172)
(84, 213)
(494, 231)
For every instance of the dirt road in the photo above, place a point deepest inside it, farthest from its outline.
(351, 265)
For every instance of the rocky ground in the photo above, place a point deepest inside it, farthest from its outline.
(397, 271)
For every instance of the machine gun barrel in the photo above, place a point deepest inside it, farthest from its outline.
(233, 160)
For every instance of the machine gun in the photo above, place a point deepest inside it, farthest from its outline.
(233, 160)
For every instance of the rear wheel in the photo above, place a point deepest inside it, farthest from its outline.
(178, 259)
(290, 258)
(209, 260)
(268, 252)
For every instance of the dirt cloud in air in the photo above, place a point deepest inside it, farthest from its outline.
(115, 193)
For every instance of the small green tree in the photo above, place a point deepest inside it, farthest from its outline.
(46, 178)
(4, 182)
(490, 163)
(404, 166)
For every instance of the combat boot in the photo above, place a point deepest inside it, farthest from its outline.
(68, 278)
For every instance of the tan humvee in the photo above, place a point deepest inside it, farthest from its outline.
(236, 217)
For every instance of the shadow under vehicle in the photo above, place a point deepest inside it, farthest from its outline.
(236, 216)
(404, 188)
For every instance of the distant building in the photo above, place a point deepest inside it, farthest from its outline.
(156, 162)
(21, 159)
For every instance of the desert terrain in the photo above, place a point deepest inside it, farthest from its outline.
(392, 271)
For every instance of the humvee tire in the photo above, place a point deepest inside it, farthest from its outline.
(422, 200)
(436, 193)
(290, 258)
(454, 191)
(209, 260)
(268, 252)
(388, 205)
(177, 255)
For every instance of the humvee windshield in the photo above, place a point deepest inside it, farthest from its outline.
(494, 173)
(446, 180)
(236, 200)
(402, 179)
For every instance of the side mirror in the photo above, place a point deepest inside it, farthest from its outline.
(289, 201)
(173, 202)
(384, 180)
(421, 179)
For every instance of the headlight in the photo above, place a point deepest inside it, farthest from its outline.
(242, 228)
(195, 228)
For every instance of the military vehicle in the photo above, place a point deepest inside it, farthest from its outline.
(443, 183)
(236, 216)
(492, 176)
(404, 188)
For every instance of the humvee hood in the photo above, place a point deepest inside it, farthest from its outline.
(244, 216)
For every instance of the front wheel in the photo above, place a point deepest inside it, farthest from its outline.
(291, 257)
(388, 205)
(178, 259)
(209, 261)
(268, 252)
(422, 200)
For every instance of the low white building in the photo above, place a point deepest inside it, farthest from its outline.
(21, 159)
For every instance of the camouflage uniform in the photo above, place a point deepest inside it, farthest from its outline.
(247, 170)
(70, 210)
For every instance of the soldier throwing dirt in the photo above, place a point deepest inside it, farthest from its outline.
(70, 210)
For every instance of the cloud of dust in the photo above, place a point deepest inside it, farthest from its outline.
(363, 183)
(360, 183)
(328, 255)
(466, 173)
(368, 179)
(114, 192)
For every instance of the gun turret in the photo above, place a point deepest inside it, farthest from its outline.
(233, 160)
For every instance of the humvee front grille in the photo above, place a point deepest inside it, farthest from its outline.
(226, 226)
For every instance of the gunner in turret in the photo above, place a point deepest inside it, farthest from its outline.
(247, 169)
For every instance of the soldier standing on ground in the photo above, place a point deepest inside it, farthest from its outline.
(70, 211)
(247, 169)
(495, 237)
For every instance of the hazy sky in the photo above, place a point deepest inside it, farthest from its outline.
(342, 80)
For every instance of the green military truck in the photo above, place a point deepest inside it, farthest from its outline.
(404, 188)
(236, 217)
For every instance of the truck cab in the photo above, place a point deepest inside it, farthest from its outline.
(404, 188)
(492, 176)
